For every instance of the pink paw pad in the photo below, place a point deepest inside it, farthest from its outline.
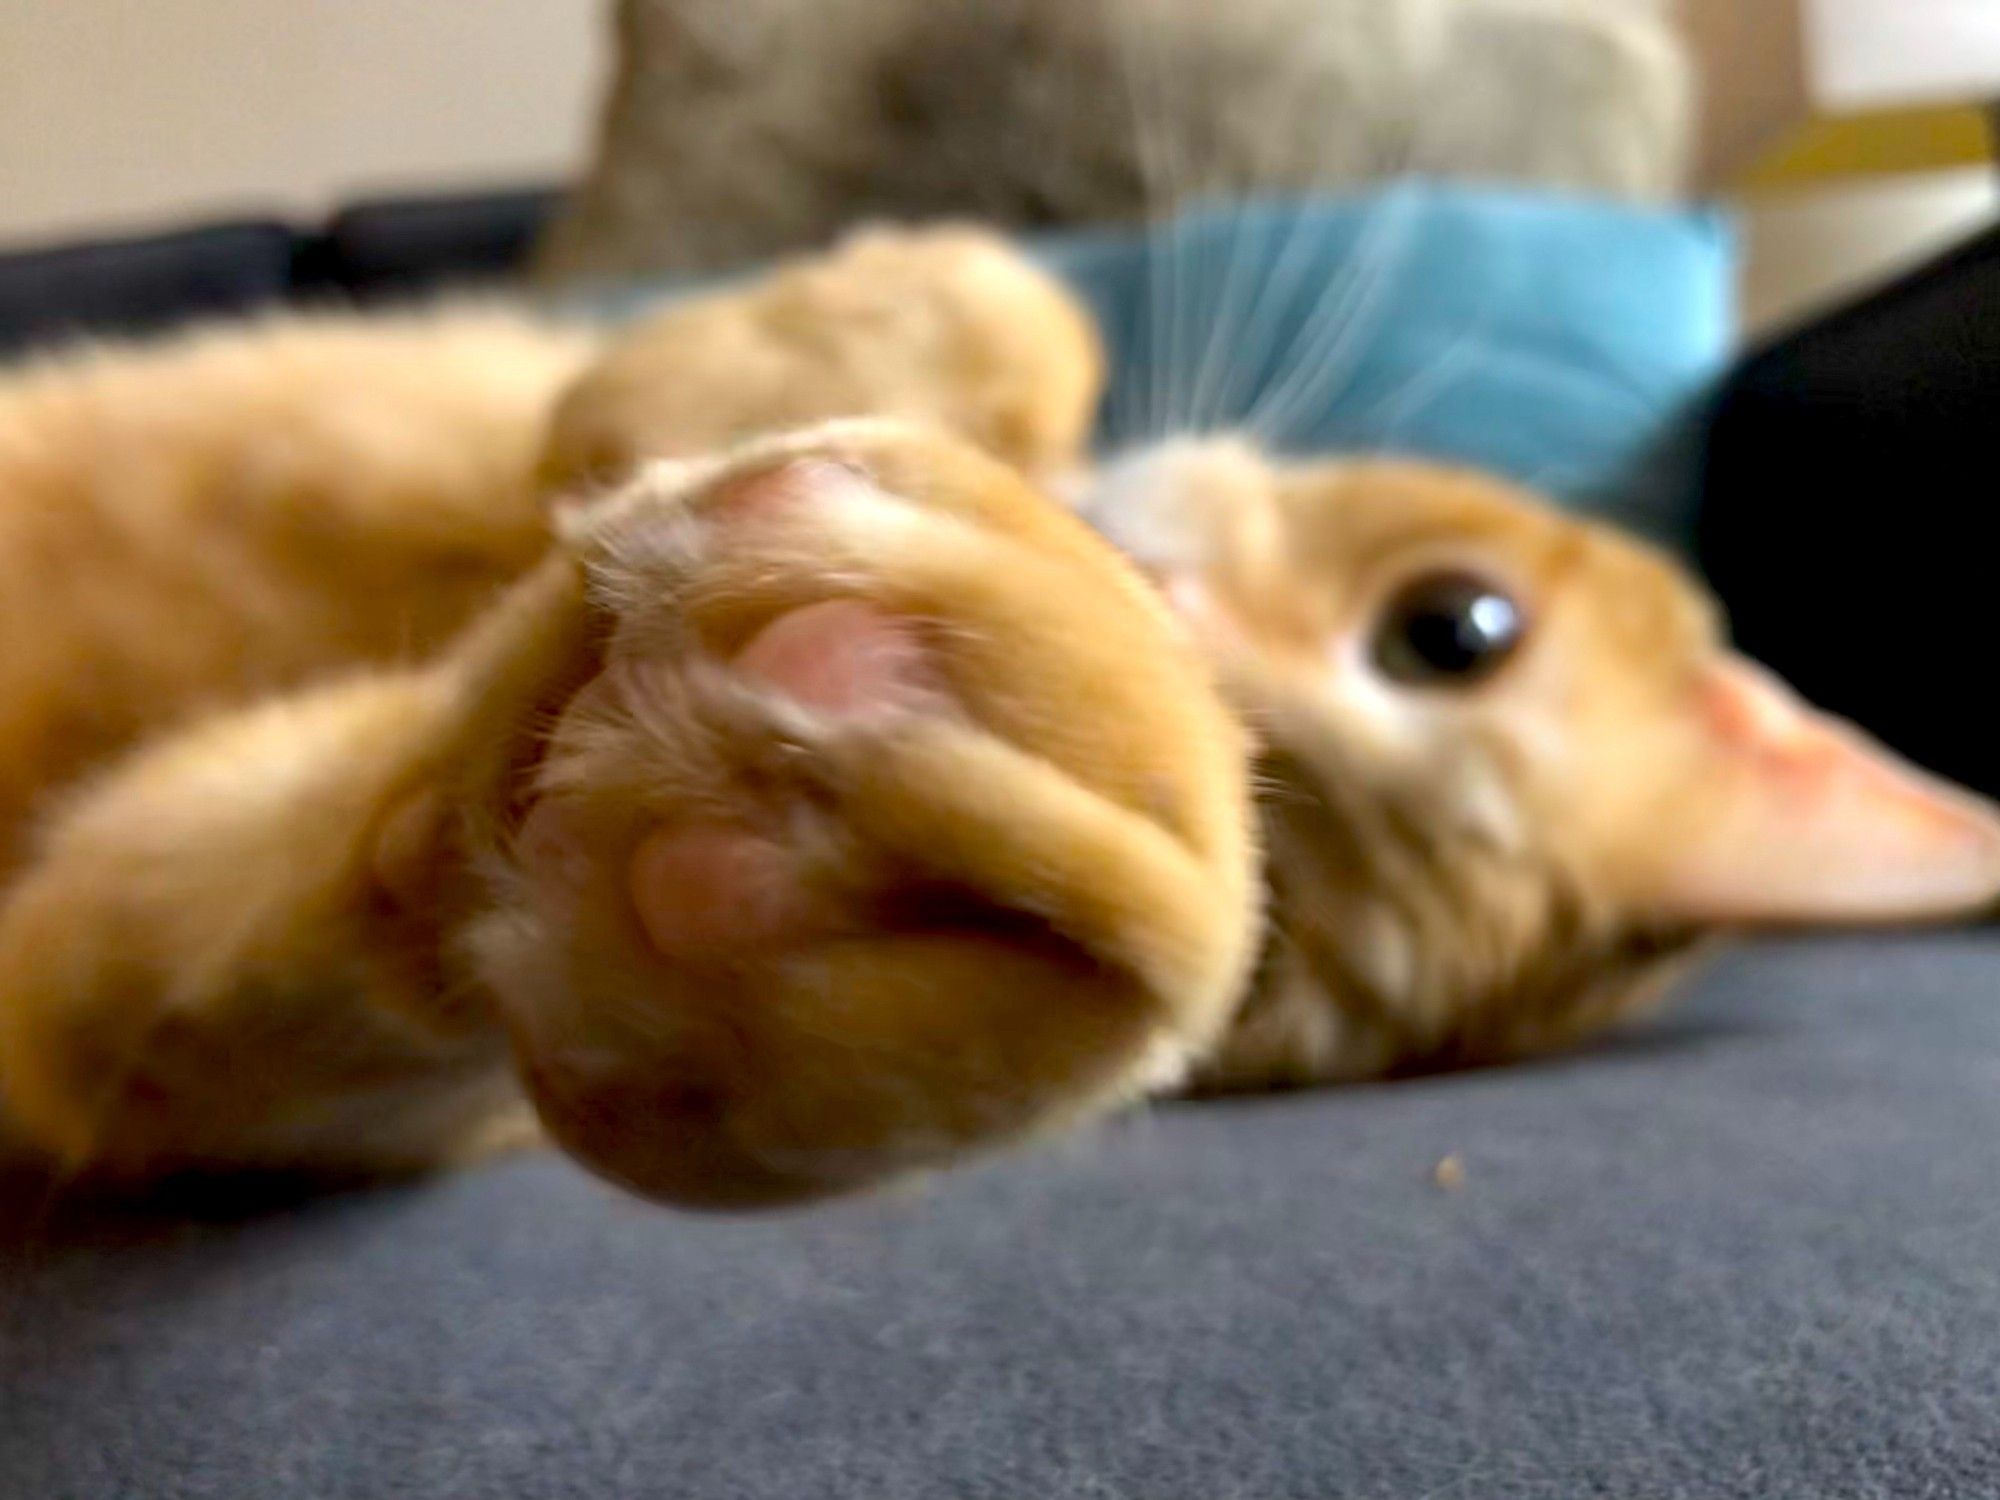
(710, 889)
(844, 657)
(769, 491)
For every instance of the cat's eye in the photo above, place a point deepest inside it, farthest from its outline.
(1446, 630)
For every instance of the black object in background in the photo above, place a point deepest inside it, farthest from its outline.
(390, 247)
(141, 285)
(368, 252)
(1848, 516)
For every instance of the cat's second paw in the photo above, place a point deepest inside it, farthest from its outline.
(891, 819)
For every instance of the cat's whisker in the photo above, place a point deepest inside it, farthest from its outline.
(1291, 357)
(1391, 414)
(1156, 203)
(1552, 478)
(1168, 190)
(1275, 292)
(1349, 324)
(1629, 383)
(1276, 789)
(1212, 382)
(1174, 234)
(1326, 324)
(1139, 379)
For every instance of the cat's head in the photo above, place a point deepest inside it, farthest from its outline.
(1510, 764)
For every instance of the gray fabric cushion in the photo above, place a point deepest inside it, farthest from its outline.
(1748, 1251)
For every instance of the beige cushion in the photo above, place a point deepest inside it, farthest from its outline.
(738, 129)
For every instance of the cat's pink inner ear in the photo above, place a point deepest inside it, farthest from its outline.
(1797, 816)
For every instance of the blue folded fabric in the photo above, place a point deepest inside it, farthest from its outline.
(1564, 343)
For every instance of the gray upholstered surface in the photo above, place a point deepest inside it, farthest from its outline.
(1752, 1251)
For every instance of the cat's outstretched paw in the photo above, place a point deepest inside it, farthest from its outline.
(892, 819)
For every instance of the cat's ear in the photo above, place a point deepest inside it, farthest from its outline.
(1797, 816)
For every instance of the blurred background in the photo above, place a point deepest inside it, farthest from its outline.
(117, 114)
(126, 115)
(1748, 1254)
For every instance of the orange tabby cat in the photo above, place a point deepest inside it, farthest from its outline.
(797, 816)
(823, 809)
(1509, 771)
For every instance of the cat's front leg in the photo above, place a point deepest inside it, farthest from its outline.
(205, 964)
(891, 820)
(825, 813)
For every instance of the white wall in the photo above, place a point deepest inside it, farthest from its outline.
(118, 113)
(1868, 54)
(1808, 248)
(129, 112)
